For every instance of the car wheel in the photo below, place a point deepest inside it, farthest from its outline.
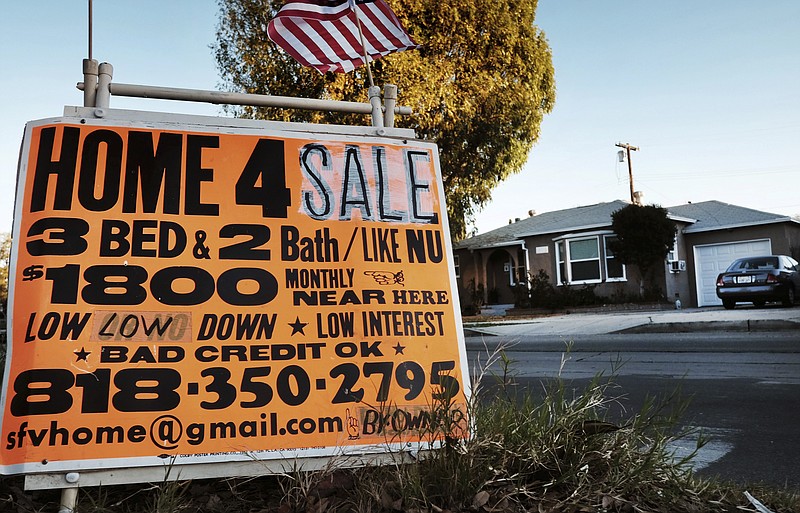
(728, 304)
(759, 304)
(788, 300)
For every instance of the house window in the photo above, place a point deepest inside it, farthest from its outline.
(615, 270)
(580, 260)
(561, 269)
(520, 272)
(457, 265)
(673, 254)
(584, 260)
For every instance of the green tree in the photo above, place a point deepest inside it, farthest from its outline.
(5, 255)
(645, 234)
(479, 86)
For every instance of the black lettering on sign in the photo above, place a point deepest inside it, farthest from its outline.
(248, 249)
(110, 143)
(158, 354)
(400, 323)
(69, 231)
(196, 174)
(152, 172)
(39, 400)
(364, 349)
(148, 238)
(142, 326)
(354, 187)
(319, 278)
(257, 326)
(67, 327)
(380, 245)
(416, 187)
(321, 206)
(143, 389)
(424, 245)
(335, 325)
(267, 167)
(55, 435)
(320, 248)
(319, 199)
(334, 297)
(63, 169)
(259, 352)
(124, 285)
(156, 169)
(385, 211)
(420, 297)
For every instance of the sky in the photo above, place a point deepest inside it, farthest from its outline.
(708, 91)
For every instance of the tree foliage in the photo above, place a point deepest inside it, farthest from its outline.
(479, 86)
(5, 255)
(645, 234)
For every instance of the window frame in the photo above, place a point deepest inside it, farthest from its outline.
(518, 274)
(564, 261)
(672, 256)
(607, 257)
(568, 261)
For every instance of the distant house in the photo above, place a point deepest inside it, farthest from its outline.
(571, 247)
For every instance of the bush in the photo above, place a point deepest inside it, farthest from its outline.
(544, 295)
(522, 296)
(474, 301)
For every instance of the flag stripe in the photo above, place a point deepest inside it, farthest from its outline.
(387, 24)
(324, 34)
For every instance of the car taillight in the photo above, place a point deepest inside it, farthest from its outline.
(719, 281)
(771, 278)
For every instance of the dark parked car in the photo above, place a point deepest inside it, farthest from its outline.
(758, 280)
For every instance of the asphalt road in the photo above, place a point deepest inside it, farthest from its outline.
(744, 389)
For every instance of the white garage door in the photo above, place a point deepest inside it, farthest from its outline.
(712, 259)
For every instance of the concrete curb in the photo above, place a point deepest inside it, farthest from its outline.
(759, 325)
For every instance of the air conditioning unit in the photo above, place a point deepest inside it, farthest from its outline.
(676, 266)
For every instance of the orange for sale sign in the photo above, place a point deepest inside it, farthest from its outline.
(219, 293)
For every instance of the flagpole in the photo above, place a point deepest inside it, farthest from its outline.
(363, 45)
(90, 69)
(374, 92)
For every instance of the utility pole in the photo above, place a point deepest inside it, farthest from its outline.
(629, 148)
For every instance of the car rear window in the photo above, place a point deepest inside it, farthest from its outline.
(754, 264)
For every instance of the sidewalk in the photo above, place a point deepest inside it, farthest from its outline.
(742, 318)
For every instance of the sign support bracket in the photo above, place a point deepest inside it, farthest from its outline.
(98, 87)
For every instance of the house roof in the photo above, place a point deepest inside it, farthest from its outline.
(716, 215)
(700, 217)
(571, 219)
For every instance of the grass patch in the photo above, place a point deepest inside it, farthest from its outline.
(554, 451)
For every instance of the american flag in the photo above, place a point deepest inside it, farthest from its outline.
(324, 34)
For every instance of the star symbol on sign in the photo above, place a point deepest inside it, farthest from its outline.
(297, 326)
(398, 349)
(83, 354)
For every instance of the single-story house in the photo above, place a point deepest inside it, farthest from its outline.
(570, 246)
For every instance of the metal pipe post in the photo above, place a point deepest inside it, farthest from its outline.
(103, 98)
(389, 102)
(90, 71)
(69, 498)
(377, 108)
